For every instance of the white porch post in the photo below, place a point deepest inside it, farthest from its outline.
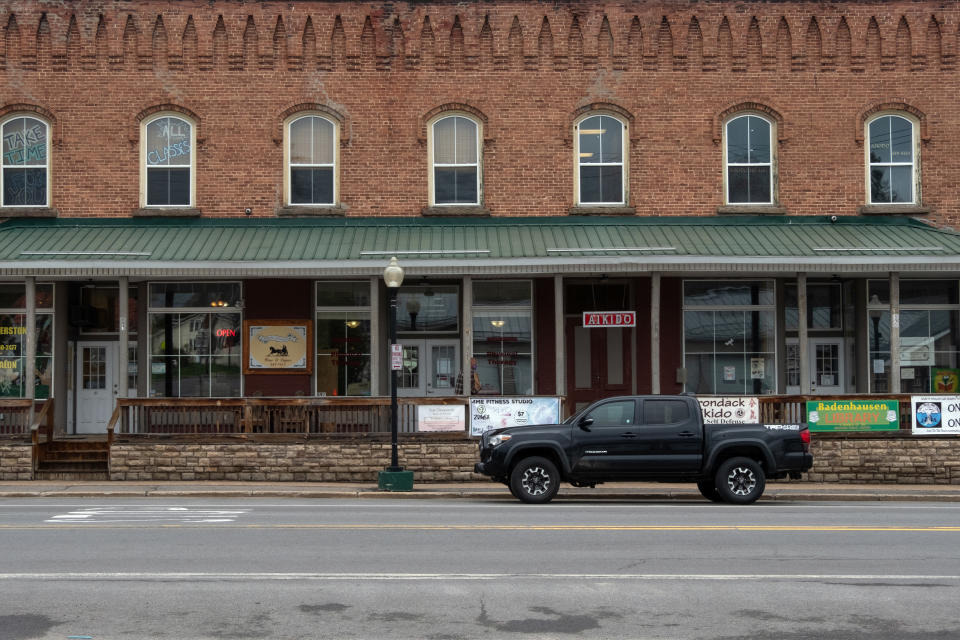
(558, 341)
(123, 337)
(802, 344)
(894, 332)
(30, 350)
(655, 333)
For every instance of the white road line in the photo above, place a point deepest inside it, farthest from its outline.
(779, 577)
(119, 513)
(471, 505)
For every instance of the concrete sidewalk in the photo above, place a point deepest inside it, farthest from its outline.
(778, 491)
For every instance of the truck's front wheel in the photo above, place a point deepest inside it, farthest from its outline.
(740, 480)
(535, 480)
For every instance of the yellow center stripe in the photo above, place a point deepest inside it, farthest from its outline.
(487, 527)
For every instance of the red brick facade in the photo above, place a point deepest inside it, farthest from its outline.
(525, 69)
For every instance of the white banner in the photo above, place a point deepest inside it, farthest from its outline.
(441, 417)
(933, 415)
(496, 413)
(730, 410)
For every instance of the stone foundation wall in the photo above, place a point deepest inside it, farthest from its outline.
(851, 459)
(16, 461)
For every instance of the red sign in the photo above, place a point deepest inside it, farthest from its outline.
(396, 357)
(609, 318)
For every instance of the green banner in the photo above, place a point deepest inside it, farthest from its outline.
(853, 415)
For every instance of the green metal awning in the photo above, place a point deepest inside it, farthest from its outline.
(310, 247)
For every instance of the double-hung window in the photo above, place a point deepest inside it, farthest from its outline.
(748, 150)
(600, 161)
(892, 165)
(311, 161)
(168, 162)
(26, 162)
(455, 161)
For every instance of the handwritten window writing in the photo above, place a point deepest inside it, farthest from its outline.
(25, 165)
(891, 160)
(749, 164)
(169, 157)
(312, 161)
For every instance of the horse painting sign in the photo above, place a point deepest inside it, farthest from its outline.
(277, 346)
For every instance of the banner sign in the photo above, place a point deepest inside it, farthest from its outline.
(934, 415)
(853, 415)
(496, 413)
(441, 417)
(730, 410)
(609, 319)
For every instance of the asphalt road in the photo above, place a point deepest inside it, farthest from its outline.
(261, 568)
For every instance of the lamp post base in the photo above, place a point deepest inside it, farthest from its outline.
(395, 480)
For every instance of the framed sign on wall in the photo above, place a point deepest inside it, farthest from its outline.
(277, 346)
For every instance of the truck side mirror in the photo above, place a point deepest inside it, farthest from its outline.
(585, 423)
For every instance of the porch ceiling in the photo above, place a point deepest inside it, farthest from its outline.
(148, 247)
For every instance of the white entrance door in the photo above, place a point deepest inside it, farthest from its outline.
(826, 365)
(430, 367)
(96, 385)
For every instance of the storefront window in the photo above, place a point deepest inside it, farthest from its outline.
(13, 341)
(824, 306)
(195, 352)
(929, 334)
(428, 309)
(731, 347)
(343, 338)
(105, 310)
(503, 338)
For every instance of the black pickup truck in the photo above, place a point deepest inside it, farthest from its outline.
(644, 438)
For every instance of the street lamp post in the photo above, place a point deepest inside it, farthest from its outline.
(394, 478)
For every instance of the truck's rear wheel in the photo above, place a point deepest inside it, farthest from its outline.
(535, 480)
(708, 489)
(740, 480)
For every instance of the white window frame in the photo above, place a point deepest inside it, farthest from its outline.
(623, 164)
(771, 163)
(483, 309)
(914, 164)
(288, 165)
(477, 164)
(361, 312)
(46, 166)
(192, 166)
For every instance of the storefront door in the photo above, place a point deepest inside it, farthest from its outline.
(430, 367)
(598, 363)
(825, 357)
(96, 385)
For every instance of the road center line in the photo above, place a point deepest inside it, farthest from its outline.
(72, 524)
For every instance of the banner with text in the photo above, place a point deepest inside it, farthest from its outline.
(496, 413)
(853, 415)
(730, 410)
(441, 417)
(934, 415)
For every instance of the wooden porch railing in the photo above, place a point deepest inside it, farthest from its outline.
(296, 415)
(42, 426)
(15, 415)
(791, 409)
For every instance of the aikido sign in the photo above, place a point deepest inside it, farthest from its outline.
(609, 319)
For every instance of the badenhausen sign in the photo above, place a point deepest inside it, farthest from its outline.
(609, 319)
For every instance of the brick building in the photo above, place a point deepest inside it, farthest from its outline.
(762, 185)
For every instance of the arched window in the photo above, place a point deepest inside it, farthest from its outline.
(168, 161)
(749, 156)
(892, 160)
(600, 152)
(26, 162)
(455, 161)
(311, 161)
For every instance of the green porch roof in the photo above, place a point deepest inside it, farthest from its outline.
(459, 245)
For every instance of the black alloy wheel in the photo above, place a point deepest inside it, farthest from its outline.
(740, 480)
(535, 480)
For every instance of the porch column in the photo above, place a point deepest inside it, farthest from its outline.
(466, 348)
(30, 351)
(374, 335)
(560, 361)
(802, 344)
(655, 333)
(894, 332)
(123, 337)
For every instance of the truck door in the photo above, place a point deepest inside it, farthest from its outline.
(605, 439)
(669, 437)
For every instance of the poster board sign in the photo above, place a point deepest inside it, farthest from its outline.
(944, 380)
(853, 415)
(730, 410)
(441, 417)
(935, 415)
(277, 346)
(495, 413)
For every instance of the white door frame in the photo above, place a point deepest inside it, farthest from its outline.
(427, 375)
(815, 388)
(95, 405)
